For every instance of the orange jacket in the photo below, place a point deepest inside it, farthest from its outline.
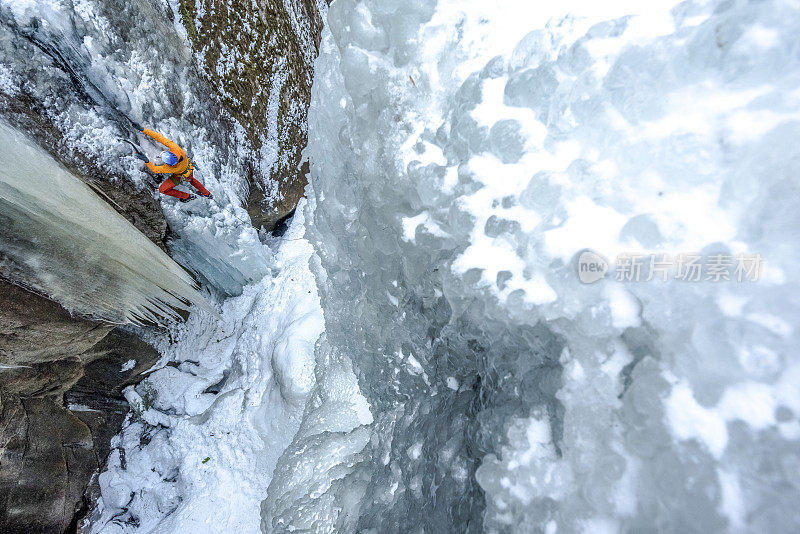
(183, 161)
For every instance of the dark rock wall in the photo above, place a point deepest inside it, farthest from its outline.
(47, 461)
(34, 330)
(51, 362)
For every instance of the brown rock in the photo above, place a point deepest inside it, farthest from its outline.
(47, 452)
(103, 364)
(267, 42)
(34, 329)
(46, 461)
(99, 390)
(41, 379)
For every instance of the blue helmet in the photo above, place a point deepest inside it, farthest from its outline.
(169, 158)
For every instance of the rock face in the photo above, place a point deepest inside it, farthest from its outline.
(258, 54)
(34, 330)
(61, 381)
(48, 458)
(60, 404)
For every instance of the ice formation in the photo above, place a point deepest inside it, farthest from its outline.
(218, 244)
(198, 452)
(462, 157)
(146, 76)
(60, 239)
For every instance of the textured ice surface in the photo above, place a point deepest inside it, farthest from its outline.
(218, 244)
(462, 155)
(60, 239)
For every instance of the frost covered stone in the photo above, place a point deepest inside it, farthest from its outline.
(202, 439)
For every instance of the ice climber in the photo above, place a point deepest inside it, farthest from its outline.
(174, 162)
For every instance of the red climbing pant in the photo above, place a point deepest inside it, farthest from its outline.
(166, 188)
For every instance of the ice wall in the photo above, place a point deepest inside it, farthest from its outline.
(462, 156)
(218, 244)
(57, 237)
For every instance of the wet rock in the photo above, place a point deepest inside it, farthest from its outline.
(46, 461)
(115, 363)
(34, 329)
(61, 403)
(39, 379)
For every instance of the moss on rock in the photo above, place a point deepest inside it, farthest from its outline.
(258, 57)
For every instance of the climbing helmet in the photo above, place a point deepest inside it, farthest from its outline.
(169, 158)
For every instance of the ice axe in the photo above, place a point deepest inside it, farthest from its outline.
(142, 156)
(138, 153)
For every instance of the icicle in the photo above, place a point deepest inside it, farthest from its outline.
(59, 238)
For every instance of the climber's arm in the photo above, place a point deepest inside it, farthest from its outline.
(175, 149)
(159, 168)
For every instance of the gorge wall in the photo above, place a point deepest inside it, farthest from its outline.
(70, 76)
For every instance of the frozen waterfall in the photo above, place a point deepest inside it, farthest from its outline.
(57, 237)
